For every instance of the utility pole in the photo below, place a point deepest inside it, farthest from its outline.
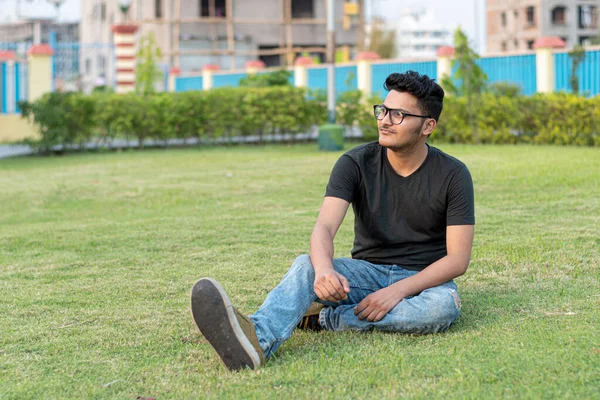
(331, 61)
(476, 13)
(361, 25)
(331, 136)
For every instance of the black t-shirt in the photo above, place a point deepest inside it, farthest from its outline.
(402, 220)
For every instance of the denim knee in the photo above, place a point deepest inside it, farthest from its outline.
(303, 266)
(445, 309)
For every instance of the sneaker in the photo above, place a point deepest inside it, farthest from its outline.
(229, 332)
(310, 321)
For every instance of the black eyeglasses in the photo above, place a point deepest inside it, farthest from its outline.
(396, 116)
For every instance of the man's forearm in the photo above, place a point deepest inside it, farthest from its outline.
(441, 271)
(321, 249)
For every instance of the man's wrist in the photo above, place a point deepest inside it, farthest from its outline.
(400, 290)
(323, 268)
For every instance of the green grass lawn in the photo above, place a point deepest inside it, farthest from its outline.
(98, 254)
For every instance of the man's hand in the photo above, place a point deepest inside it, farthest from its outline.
(376, 305)
(331, 286)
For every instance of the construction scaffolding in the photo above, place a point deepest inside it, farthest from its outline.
(216, 23)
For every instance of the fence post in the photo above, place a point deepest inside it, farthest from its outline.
(363, 71)
(124, 37)
(301, 72)
(173, 74)
(7, 88)
(544, 62)
(444, 62)
(252, 67)
(40, 70)
(207, 75)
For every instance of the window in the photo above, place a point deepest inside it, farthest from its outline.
(158, 8)
(516, 14)
(303, 9)
(530, 44)
(103, 12)
(531, 15)
(220, 8)
(101, 63)
(559, 15)
(588, 17)
(503, 46)
(88, 66)
(503, 19)
(516, 43)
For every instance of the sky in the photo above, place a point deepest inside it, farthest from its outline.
(451, 13)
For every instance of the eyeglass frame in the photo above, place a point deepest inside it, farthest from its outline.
(404, 114)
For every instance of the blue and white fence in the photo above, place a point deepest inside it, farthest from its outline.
(13, 85)
(381, 70)
(588, 72)
(520, 69)
(517, 69)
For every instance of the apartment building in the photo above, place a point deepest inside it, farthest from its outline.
(513, 25)
(419, 34)
(228, 33)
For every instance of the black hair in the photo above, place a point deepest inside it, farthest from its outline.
(430, 95)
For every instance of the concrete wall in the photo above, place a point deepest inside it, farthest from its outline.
(516, 33)
(516, 27)
(570, 30)
(14, 128)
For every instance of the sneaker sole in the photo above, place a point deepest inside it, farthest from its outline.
(213, 314)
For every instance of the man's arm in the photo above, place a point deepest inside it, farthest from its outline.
(459, 242)
(329, 285)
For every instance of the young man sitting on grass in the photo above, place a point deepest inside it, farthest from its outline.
(414, 217)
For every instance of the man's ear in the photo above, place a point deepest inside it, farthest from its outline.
(429, 127)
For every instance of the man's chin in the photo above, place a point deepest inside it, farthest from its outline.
(386, 140)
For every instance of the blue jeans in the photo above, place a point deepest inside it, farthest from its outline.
(432, 310)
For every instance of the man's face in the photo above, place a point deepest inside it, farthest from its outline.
(412, 130)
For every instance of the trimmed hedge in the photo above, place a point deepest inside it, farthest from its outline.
(557, 118)
(73, 119)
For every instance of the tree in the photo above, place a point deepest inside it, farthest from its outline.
(471, 79)
(577, 57)
(382, 42)
(147, 71)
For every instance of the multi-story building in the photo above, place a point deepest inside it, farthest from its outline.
(38, 31)
(513, 25)
(228, 33)
(419, 34)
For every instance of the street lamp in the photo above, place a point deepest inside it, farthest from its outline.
(124, 5)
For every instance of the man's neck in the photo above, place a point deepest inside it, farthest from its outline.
(405, 162)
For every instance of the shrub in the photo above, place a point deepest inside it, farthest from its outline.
(69, 120)
(353, 109)
(279, 77)
(63, 120)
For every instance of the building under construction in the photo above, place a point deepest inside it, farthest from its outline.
(228, 33)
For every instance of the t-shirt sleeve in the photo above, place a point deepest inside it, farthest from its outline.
(344, 179)
(461, 202)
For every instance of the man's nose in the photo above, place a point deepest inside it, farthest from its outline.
(384, 123)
